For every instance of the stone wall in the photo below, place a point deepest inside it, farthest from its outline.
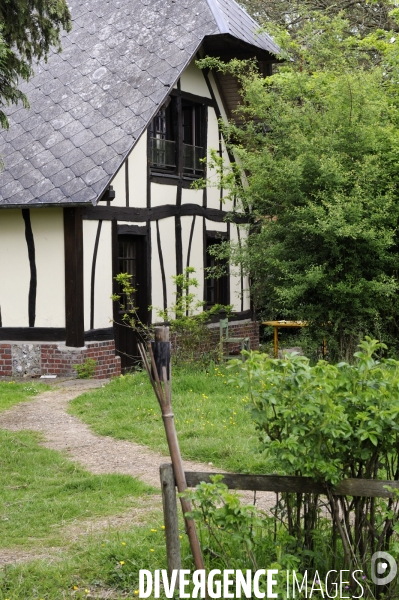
(19, 359)
(33, 359)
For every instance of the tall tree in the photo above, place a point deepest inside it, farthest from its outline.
(322, 182)
(28, 29)
(363, 16)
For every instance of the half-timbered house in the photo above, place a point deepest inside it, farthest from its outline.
(98, 174)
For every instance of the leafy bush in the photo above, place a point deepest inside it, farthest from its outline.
(187, 317)
(238, 537)
(86, 369)
(188, 320)
(330, 422)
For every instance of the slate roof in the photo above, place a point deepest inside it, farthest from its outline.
(90, 103)
(232, 18)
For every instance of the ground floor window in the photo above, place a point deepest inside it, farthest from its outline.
(217, 288)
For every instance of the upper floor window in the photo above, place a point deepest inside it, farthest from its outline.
(193, 142)
(162, 143)
(177, 138)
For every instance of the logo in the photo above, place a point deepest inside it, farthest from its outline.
(380, 561)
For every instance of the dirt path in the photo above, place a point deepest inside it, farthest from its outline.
(47, 414)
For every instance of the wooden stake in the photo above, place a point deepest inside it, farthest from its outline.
(160, 376)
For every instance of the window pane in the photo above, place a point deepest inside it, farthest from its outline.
(188, 121)
(191, 158)
(162, 153)
(217, 289)
(162, 146)
(127, 263)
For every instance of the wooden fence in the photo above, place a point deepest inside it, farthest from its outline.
(370, 488)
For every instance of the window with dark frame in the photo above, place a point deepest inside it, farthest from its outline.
(162, 143)
(127, 263)
(217, 288)
(165, 154)
(193, 144)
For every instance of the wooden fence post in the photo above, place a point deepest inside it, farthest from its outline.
(170, 517)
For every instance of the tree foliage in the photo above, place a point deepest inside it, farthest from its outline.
(363, 17)
(319, 155)
(28, 29)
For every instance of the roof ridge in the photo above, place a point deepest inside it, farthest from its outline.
(260, 28)
(218, 15)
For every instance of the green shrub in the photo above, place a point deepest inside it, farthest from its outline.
(87, 369)
(330, 422)
(187, 317)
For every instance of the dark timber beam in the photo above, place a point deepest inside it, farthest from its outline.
(73, 242)
(193, 97)
(32, 334)
(32, 264)
(140, 215)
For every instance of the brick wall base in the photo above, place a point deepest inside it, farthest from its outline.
(211, 345)
(32, 359)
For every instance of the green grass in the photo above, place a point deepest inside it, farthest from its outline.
(12, 393)
(103, 562)
(41, 491)
(212, 422)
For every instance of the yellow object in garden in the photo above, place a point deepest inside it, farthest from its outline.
(277, 324)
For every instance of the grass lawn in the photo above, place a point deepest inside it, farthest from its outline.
(43, 491)
(99, 563)
(12, 393)
(212, 422)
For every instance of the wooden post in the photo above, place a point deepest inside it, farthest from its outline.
(73, 242)
(161, 355)
(275, 342)
(170, 517)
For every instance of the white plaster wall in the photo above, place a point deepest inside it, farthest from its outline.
(163, 194)
(227, 203)
(138, 173)
(156, 279)
(196, 256)
(103, 280)
(141, 224)
(89, 237)
(247, 298)
(168, 244)
(192, 80)
(103, 277)
(217, 96)
(48, 235)
(119, 185)
(235, 276)
(215, 226)
(14, 269)
(137, 165)
(213, 192)
(192, 196)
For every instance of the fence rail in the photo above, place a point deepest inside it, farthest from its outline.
(370, 488)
